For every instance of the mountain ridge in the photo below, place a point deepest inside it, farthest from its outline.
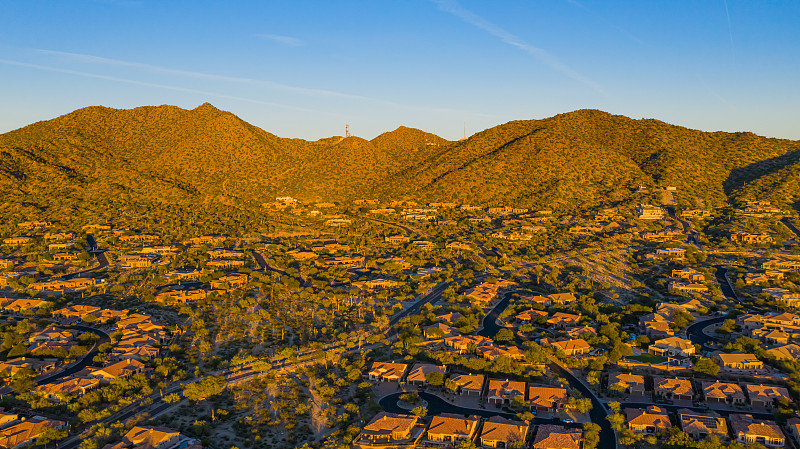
(572, 161)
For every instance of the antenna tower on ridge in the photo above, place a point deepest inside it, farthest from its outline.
(347, 130)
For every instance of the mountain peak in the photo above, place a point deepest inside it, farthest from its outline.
(206, 107)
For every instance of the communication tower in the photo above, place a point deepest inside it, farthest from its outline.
(347, 130)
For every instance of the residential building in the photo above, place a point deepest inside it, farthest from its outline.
(463, 342)
(766, 396)
(672, 347)
(469, 384)
(230, 281)
(387, 371)
(122, 369)
(576, 332)
(784, 296)
(499, 432)
(683, 288)
(688, 274)
(13, 366)
(492, 352)
(146, 437)
(561, 320)
(449, 429)
(550, 436)
(68, 386)
(649, 212)
(651, 420)
(748, 238)
(785, 352)
(504, 391)
(396, 239)
(26, 432)
(546, 398)
(56, 285)
(673, 388)
(440, 330)
(391, 428)
(723, 393)
(700, 425)
(748, 430)
(740, 362)
(420, 371)
(627, 383)
(75, 312)
(671, 253)
(570, 347)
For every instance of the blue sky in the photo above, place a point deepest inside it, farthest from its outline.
(306, 68)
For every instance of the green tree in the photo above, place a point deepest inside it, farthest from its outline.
(706, 366)
(435, 379)
(210, 386)
(504, 335)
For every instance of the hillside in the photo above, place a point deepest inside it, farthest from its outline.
(168, 155)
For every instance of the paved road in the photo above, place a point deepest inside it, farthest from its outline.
(788, 223)
(405, 229)
(434, 295)
(724, 283)
(696, 335)
(489, 323)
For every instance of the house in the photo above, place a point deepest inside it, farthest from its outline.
(420, 371)
(133, 352)
(723, 393)
(562, 298)
(492, 352)
(655, 329)
(13, 366)
(122, 369)
(440, 330)
(785, 352)
(391, 428)
(653, 419)
(700, 425)
(230, 281)
(771, 336)
(396, 239)
(464, 342)
(53, 333)
(784, 296)
(181, 296)
(75, 312)
(649, 212)
(20, 305)
(546, 398)
(459, 246)
(671, 253)
(550, 436)
(58, 285)
(695, 213)
(504, 391)
(499, 432)
(782, 265)
(748, 238)
(688, 274)
(748, 430)
(740, 362)
(672, 388)
(387, 371)
(561, 320)
(134, 261)
(221, 253)
(575, 332)
(27, 431)
(628, 383)
(766, 396)
(529, 316)
(65, 387)
(449, 429)
(450, 317)
(225, 264)
(682, 287)
(343, 261)
(793, 424)
(469, 384)
(538, 299)
(424, 245)
(570, 347)
(672, 347)
(146, 437)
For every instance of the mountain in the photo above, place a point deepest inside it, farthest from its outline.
(166, 155)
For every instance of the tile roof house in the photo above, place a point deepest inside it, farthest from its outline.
(546, 398)
(748, 430)
(630, 383)
(387, 371)
(391, 428)
(672, 347)
(492, 352)
(723, 392)
(673, 388)
(740, 362)
(570, 347)
(550, 436)
(650, 420)
(123, 368)
(793, 424)
(785, 352)
(700, 425)
(530, 315)
(26, 432)
(451, 429)
(440, 330)
(463, 342)
(499, 432)
(575, 332)
(67, 386)
(504, 391)
(766, 396)
(420, 371)
(471, 384)
(561, 320)
(141, 437)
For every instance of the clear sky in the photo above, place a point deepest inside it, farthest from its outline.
(306, 68)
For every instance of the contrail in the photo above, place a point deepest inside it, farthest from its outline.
(730, 30)
(160, 86)
(454, 8)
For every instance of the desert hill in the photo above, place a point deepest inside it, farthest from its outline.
(576, 160)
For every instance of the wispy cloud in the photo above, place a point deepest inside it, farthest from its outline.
(199, 75)
(730, 29)
(454, 8)
(605, 21)
(156, 85)
(285, 40)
